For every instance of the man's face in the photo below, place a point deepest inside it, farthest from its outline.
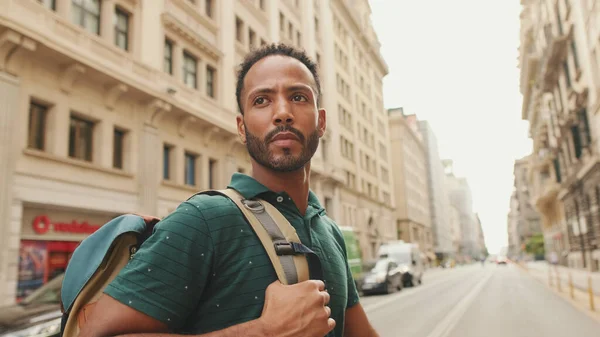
(281, 125)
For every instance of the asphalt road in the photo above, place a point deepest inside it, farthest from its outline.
(476, 301)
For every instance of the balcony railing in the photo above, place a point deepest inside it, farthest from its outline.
(554, 54)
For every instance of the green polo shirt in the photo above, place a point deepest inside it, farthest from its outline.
(204, 269)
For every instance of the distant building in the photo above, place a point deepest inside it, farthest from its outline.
(438, 196)
(410, 176)
(461, 199)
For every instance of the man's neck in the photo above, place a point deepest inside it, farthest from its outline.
(295, 184)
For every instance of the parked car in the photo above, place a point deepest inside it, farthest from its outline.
(384, 277)
(408, 257)
(37, 315)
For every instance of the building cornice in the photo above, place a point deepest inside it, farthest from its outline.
(172, 23)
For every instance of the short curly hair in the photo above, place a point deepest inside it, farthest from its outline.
(274, 49)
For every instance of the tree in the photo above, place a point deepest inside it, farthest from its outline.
(535, 246)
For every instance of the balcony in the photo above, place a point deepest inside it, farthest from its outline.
(554, 54)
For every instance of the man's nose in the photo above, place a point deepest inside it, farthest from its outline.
(283, 113)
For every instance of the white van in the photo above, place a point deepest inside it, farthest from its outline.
(408, 257)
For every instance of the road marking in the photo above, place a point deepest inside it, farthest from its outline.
(413, 291)
(448, 323)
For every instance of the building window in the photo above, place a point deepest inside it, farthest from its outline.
(190, 76)
(167, 161)
(576, 141)
(329, 205)
(263, 42)
(210, 81)
(241, 170)
(324, 149)
(118, 148)
(239, 27)
(81, 133)
(208, 8)
(281, 22)
(50, 4)
(299, 39)
(37, 126)
(261, 4)
(212, 173)
(557, 170)
(168, 57)
(190, 169)
(251, 39)
(121, 29)
(574, 52)
(567, 74)
(290, 31)
(86, 13)
(584, 128)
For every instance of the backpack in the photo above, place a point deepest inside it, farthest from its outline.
(100, 256)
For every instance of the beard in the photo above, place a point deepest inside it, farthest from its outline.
(260, 152)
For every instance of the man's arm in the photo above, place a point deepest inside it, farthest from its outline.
(112, 318)
(299, 310)
(357, 324)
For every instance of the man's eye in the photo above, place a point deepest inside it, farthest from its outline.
(259, 101)
(299, 98)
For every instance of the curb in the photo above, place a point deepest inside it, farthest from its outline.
(595, 315)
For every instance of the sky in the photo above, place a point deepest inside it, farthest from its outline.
(455, 64)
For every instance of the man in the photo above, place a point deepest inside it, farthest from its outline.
(204, 272)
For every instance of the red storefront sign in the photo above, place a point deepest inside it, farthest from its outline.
(42, 224)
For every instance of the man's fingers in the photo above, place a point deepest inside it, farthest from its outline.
(326, 297)
(331, 323)
(328, 310)
(320, 285)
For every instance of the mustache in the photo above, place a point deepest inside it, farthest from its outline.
(284, 128)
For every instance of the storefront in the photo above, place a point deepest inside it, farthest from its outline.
(48, 238)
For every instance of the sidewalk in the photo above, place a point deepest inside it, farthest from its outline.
(580, 277)
(579, 297)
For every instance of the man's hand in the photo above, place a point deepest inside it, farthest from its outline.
(297, 310)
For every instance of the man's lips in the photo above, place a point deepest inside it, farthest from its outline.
(284, 137)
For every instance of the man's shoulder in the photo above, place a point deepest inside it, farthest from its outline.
(332, 227)
(213, 205)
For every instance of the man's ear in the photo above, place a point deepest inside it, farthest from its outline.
(241, 128)
(322, 122)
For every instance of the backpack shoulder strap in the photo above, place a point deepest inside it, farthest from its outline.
(276, 234)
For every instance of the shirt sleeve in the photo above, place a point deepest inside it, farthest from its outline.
(353, 297)
(167, 275)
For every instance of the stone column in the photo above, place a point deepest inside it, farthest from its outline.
(177, 61)
(149, 152)
(148, 170)
(107, 27)
(229, 168)
(308, 22)
(63, 8)
(273, 14)
(225, 78)
(178, 165)
(203, 179)
(9, 108)
(105, 148)
(337, 202)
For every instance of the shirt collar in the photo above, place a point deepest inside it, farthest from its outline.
(250, 188)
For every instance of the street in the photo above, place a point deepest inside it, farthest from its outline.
(475, 301)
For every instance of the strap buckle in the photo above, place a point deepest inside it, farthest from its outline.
(254, 206)
(284, 248)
